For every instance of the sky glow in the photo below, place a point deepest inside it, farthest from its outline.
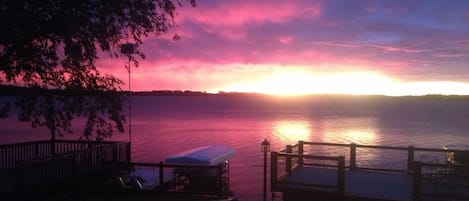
(302, 47)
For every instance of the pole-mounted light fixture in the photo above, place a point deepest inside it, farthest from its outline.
(265, 147)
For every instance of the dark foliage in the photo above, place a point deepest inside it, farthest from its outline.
(52, 45)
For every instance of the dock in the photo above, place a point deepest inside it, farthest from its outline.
(427, 174)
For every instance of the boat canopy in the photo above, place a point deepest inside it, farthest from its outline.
(207, 155)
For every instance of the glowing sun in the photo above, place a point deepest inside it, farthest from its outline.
(305, 82)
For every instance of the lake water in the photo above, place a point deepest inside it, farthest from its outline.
(164, 125)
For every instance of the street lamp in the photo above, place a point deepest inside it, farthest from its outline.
(265, 147)
(129, 49)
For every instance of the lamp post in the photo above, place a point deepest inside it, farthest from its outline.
(265, 147)
(129, 49)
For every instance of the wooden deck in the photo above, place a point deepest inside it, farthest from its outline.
(358, 183)
(301, 176)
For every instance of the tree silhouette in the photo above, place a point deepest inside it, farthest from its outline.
(51, 46)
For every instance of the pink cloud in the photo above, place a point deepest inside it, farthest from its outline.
(238, 13)
(450, 55)
(231, 19)
(285, 40)
(387, 48)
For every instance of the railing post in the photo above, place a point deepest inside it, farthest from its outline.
(288, 159)
(273, 171)
(52, 146)
(300, 153)
(341, 175)
(36, 149)
(161, 170)
(220, 180)
(73, 164)
(114, 158)
(417, 179)
(353, 156)
(410, 158)
(129, 160)
(99, 158)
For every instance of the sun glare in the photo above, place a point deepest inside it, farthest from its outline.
(304, 82)
(301, 82)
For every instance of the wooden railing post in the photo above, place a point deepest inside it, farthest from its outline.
(353, 156)
(73, 165)
(36, 149)
(52, 146)
(114, 158)
(273, 171)
(99, 158)
(300, 153)
(129, 160)
(288, 159)
(341, 175)
(417, 181)
(410, 158)
(161, 170)
(220, 180)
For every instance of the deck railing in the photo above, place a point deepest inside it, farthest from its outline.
(40, 163)
(10, 153)
(390, 153)
(77, 165)
(293, 161)
(190, 178)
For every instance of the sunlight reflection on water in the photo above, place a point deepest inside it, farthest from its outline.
(290, 132)
(360, 136)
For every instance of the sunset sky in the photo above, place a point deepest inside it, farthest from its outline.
(297, 47)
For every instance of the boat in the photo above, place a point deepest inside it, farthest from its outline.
(202, 170)
(214, 177)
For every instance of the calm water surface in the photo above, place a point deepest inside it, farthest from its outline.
(163, 126)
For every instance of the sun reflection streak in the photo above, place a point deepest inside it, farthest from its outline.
(290, 132)
(361, 136)
(354, 130)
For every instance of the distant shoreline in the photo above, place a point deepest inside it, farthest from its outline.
(10, 90)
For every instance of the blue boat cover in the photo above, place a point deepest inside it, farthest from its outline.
(207, 155)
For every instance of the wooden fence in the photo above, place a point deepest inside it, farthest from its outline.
(10, 153)
(43, 163)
